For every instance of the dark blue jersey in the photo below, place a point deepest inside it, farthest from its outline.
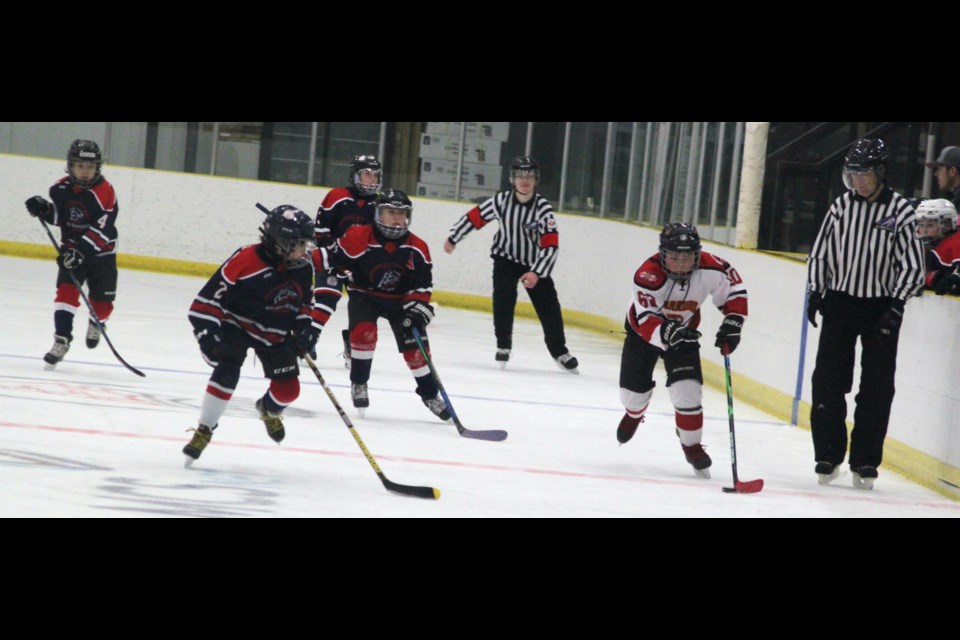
(341, 209)
(86, 216)
(266, 301)
(394, 273)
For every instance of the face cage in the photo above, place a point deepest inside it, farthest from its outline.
(676, 275)
(517, 173)
(285, 247)
(77, 181)
(393, 232)
(368, 190)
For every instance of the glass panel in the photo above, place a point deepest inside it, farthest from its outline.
(585, 167)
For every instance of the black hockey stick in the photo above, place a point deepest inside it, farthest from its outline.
(495, 435)
(750, 486)
(93, 314)
(392, 487)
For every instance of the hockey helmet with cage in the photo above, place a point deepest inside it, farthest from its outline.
(84, 151)
(285, 229)
(867, 155)
(524, 165)
(394, 200)
(936, 218)
(679, 250)
(366, 162)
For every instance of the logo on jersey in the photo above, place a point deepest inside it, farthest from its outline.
(286, 299)
(887, 224)
(551, 224)
(646, 276)
(332, 281)
(389, 281)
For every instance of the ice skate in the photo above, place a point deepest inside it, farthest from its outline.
(201, 438)
(863, 477)
(826, 472)
(568, 363)
(361, 399)
(438, 407)
(61, 344)
(346, 349)
(698, 458)
(627, 427)
(93, 335)
(273, 422)
(503, 356)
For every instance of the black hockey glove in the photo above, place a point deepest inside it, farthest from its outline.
(814, 303)
(210, 343)
(38, 206)
(419, 314)
(70, 259)
(891, 319)
(948, 283)
(728, 337)
(307, 342)
(676, 336)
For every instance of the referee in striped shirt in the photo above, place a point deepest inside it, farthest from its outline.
(525, 250)
(865, 263)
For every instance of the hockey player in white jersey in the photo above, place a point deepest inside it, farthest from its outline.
(662, 320)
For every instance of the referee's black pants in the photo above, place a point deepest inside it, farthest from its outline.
(845, 318)
(506, 274)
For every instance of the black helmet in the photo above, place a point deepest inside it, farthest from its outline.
(284, 228)
(366, 162)
(524, 165)
(84, 151)
(866, 155)
(679, 237)
(393, 199)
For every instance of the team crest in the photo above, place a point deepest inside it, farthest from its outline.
(887, 224)
(389, 281)
(646, 276)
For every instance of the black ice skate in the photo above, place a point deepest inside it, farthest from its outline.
(273, 422)
(93, 335)
(698, 458)
(827, 472)
(61, 344)
(568, 363)
(199, 442)
(864, 476)
(438, 407)
(627, 427)
(361, 399)
(503, 356)
(346, 348)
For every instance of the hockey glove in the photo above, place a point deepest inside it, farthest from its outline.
(814, 303)
(307, 342)
(948, 283)
(38, 206)
(728, 337)
(676, 336)
(210, 343)
(419, 314)
(70, 259)
(891, 319)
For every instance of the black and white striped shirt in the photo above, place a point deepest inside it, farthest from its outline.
(868, 250)
(528, 232)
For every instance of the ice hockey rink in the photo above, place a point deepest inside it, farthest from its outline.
(90, 439)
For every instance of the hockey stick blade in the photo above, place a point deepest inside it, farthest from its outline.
(750, 486)
(493, 435)
(410, 491)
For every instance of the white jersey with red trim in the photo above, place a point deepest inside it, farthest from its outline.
(657, 298)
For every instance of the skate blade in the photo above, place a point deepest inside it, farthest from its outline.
(361, 411)
(702, 473)
(188, 462)
(503, 366)
(49, 367)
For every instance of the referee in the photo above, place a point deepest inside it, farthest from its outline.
(525, 250)
(865, 263)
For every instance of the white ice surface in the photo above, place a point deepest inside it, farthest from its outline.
(90, 439)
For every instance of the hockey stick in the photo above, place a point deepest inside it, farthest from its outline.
(750, 486)
(93, 314)
(495, 435)
(392, 487)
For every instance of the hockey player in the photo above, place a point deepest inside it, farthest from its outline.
(525, 250)
(662, 321)
(936, 226)
(85, 208)
(260, 299)
(341, 209)
(392, 278)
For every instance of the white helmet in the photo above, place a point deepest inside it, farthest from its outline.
(935, 219)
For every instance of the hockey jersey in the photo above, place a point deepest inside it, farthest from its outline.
(657, 298)
(341, 209)
(266, 301)
(396, 273)
(86, 216)
(943, 258)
